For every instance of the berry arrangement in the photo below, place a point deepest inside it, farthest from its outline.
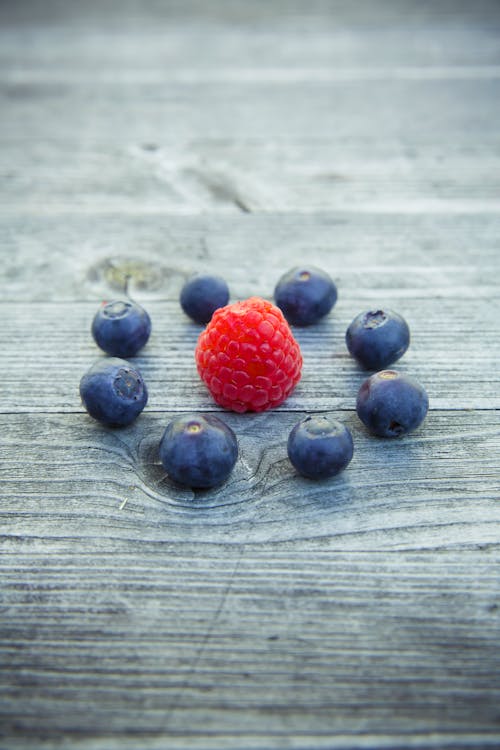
(249, 360)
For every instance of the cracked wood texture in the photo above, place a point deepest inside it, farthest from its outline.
(143, 141)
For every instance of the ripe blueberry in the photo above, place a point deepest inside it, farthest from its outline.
(202, 295)
(305, 295)
(121, 328)
(377, 338)
(320, 446)
(113, 392)
(198, 451)
(391, 404)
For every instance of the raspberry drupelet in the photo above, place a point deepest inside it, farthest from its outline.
(247, 356)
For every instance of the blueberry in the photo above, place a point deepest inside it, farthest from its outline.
(305, 295)
(377, 338)
(202, 295)
(198, 451)
(391, 404)
(319, 447)
(121, 328)
(113, 392)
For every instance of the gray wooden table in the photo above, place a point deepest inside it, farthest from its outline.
(150, 140)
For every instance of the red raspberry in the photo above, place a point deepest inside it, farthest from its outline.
(248, 357)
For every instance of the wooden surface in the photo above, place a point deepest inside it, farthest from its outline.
(155, 139)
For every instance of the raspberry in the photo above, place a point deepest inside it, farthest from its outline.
(248, 357)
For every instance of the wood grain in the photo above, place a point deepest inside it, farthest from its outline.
(146, 141)
(182, 651)
(64, 475)
(373, 256)
(446, 354)
(349, 174)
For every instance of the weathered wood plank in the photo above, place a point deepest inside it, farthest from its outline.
(70, 259)
(157, 139)
(65, 476)
(229, 176)
(74, 40)
(441, 111)
(204, 652)
(450, 354)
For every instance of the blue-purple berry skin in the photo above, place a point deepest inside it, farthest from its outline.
(113, 392)
(319, 447)
(202, 295)
(377, 338)
(121, 328)
(391, 404)
(198, 451)
(305, 294)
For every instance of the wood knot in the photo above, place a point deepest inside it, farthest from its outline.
(120, 272)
